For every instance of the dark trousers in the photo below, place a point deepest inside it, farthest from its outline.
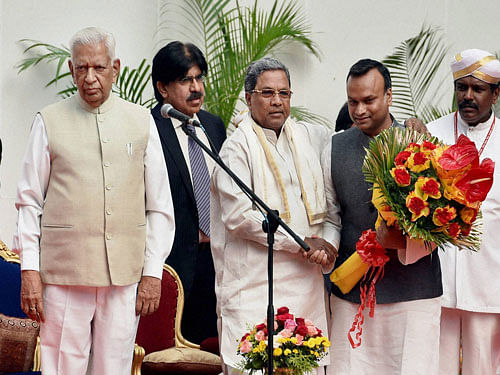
(199, 319)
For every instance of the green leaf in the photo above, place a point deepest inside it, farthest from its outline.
(414, 66)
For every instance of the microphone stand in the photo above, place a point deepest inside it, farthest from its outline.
(269, 225)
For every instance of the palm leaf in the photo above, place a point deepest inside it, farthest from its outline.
(234, 37)
(303, 114)
(414, 66)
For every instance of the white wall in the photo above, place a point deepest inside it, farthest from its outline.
(344, 30)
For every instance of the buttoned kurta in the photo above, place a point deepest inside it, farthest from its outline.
(470, 280)
(239, 245)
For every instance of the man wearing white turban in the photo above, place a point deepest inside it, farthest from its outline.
(471, 304)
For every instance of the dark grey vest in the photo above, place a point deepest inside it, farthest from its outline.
(400, 283)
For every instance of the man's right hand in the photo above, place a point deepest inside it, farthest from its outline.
(31, 295)
(318, 245)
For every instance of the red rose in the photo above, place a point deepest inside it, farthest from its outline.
(301, 330)
(453, 230)
(465, 230)
(281, 319)
(401, 158)
(300, 321)
(283, 310)
(428, 145)
(419, 158)
(244, 337)
(431, 187)
(260, 327)
(401, 176)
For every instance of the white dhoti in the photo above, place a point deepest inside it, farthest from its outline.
(80, 320)
(480, 337)
(401, 339)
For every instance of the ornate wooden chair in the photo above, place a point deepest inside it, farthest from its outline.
(19, 342)
(159, 336)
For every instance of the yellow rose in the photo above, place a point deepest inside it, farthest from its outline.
(277, 352)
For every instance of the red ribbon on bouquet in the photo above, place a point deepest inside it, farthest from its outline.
(373, 254)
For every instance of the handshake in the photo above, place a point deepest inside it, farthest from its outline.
(320, 252)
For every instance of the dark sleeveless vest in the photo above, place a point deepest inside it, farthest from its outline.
(400, 283)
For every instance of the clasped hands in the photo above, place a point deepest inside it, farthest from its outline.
(320, 252)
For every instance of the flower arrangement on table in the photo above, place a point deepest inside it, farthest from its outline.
(298, 345)
(432, 191)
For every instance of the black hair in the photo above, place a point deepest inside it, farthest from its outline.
(173, 61)
(365, 65)
(344, 120)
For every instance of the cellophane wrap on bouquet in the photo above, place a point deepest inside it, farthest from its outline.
(298, 345)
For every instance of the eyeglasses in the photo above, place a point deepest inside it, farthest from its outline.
(190, 79)
(269, 93)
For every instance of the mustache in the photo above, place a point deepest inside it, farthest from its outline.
(467, 104)
(195, 95)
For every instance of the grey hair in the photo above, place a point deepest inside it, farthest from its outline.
(93, 36)
(256, 68)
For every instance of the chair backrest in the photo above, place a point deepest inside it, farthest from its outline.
(158, 331)
(10, 283)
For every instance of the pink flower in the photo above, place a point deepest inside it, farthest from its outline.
(299, 339)
(260, 335)
(290, 324)
(286, 333)
(246, 346)
(312, 331)
(308, 322)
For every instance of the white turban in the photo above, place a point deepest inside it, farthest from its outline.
(476, 63)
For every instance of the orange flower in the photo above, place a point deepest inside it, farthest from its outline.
(453, 230)
(417, 206)
(401, 176)
(427, 187)
(443, 215)
(468, 215)
(413, 147)
(418, 162)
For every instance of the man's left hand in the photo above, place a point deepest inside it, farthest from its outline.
(148, 295)
(417, 125)
(390, 237)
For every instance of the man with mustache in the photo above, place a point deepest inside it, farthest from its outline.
(279, 159)
(471, 305)
(178, 73)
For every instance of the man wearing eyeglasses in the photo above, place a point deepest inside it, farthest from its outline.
(178, 72)
(280, 160)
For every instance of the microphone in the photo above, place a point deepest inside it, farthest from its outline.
(167, 111)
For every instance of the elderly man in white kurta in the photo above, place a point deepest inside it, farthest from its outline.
(95, 220)
(279, 159)
(471, 286)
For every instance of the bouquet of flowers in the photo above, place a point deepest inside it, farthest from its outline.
(298, 345)
(433, 191)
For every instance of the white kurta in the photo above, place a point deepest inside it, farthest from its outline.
(470, 280)
(239, 245)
